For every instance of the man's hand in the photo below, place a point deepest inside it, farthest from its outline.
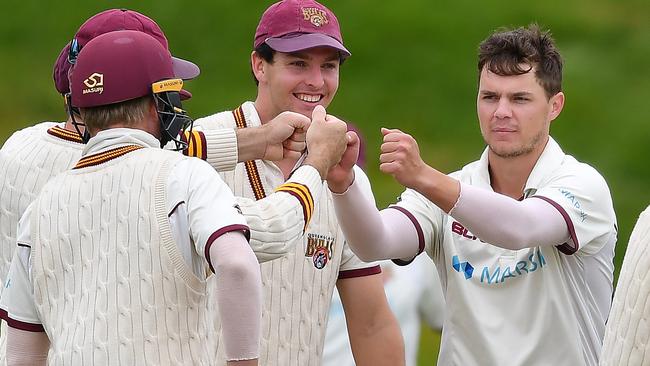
(341, 175)
(326, 141)
(285, 136)
(400, 157)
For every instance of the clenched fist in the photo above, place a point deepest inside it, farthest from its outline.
(326, 141)
(400, 157)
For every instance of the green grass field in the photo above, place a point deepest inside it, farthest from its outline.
(413, 67)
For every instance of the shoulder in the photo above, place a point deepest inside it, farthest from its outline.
(575, 174)
(31, 131)
(217, 120)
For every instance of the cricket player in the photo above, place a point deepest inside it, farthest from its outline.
(113, 254)
(523, 238)
(297, 53)
(627, 335)
(31, 156)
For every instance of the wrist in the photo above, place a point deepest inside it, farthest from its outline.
(340, 186)
(251, 143)
(317, 163)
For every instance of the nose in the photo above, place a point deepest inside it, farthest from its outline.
(315, 77)
(503, 109)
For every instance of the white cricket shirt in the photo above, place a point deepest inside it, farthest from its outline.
(535, 306)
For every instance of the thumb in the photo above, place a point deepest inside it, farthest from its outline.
(385, 131)
(318, 114)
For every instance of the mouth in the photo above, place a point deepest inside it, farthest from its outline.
(309, 98)
(503, 130)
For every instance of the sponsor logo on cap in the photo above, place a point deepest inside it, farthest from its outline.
(95, 83)
(316, 16)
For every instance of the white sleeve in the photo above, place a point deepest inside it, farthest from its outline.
(17, 304)
(217, 146)
(498, 219)
(278, 221)
(239, 295)
(379, 235)
(211, 207)
(583, 199)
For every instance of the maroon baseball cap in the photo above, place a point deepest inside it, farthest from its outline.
(109, 21)
(119, 66)
(295, 25)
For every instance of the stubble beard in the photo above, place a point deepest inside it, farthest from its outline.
(520, 150)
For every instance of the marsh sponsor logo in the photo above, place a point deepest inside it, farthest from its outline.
(315, 16)
(500, 274)
(95, 84)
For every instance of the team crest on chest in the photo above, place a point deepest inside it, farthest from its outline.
(316, 16)
(320, 248)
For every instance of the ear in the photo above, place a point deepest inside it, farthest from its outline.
(257, 65)
(557, 103)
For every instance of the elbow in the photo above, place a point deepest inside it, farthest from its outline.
(242, 269)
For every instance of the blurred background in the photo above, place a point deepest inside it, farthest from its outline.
(413, 67)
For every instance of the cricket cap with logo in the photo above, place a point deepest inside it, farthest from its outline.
(296, 25)
(109, 21)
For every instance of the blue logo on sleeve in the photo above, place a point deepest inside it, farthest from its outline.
(462, 267)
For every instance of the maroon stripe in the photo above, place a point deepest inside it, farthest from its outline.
(418, 229)
(17, 324)
(361, 272)
(304, 209)
(174, 209)
(220, 232)
(565, 248)
(65, 134)
(204, 146)
(193, 143)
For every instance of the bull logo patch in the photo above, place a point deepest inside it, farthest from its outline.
(315, 16)
(320, 248)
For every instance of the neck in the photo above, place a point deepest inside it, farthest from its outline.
(508, 176)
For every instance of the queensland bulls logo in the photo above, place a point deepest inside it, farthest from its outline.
(316, 16)
(320, 248)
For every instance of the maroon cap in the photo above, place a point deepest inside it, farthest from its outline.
(109, 21)
(118, 66)
(295, 25)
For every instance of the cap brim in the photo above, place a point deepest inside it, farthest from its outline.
(184, 69)
(185, 95)
(305, 41)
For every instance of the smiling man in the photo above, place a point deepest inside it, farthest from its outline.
(298, 50)
(523, 238)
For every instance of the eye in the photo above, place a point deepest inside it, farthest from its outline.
(521, 99)
(330, 66)
(298, 63)
(489, 97)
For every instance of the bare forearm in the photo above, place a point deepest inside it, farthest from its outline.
(381, 345)
(439, 188)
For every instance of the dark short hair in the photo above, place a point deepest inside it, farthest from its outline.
(506, 52)
(267, 53)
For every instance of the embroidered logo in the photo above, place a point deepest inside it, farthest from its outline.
(320, 248)
(317, 17)
(95, 83)
(320, 258)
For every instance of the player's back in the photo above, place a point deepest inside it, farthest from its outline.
(28, 159)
